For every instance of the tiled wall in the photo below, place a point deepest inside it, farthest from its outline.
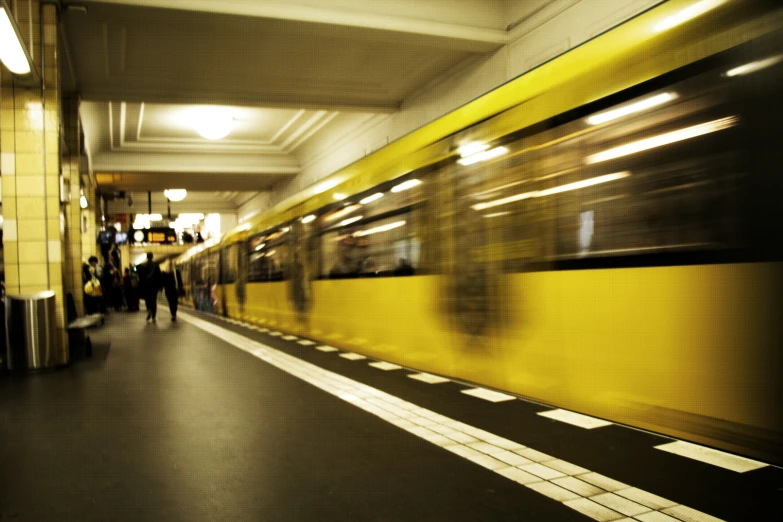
(30, 167)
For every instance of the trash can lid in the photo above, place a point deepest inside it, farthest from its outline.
(31, 297)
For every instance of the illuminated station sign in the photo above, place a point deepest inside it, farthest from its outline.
(157, 236)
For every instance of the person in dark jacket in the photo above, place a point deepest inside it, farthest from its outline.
(92, 305)
(131, 283)
(171, 289)
(151, 285)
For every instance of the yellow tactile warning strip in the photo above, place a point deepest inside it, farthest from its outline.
(596, 496)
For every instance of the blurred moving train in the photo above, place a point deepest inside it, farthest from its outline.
(601, 234)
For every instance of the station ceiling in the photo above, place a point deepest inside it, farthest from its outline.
(288, 69)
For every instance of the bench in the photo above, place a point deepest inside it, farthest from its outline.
(79, 342)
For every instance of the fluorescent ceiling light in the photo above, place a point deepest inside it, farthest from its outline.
(754, 66)
(663, 139)
(339, 196)
(548, 192)
(11, 51)
(630, 109)
(326, 185)
(343, 212)
(496, 214)
(349, 221)
(382, 228)
(483, 156)
(83, 202)
(689, 13)
(470, 149)
(213, 123)
(405, 185)
(308, 219)
(370, 199)
(175, 194)
(259, 247)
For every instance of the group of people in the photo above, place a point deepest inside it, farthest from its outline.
(104, 289)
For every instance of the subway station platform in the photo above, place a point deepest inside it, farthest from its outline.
(212, 419)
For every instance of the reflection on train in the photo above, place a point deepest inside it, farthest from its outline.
(608, 242)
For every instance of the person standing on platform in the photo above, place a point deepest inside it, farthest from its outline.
(152, 284)
(171, 288)
(91, 302)
(131, 283)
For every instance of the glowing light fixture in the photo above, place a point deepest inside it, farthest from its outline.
(370, 199)
(326, 185)
(350, 220)
(639, 106)
(483, 156)
(175, 194)
(83, 203)
(339, 196)
(548, 192)
(663, 139)
(213, 123)
(343, 212)
(754, 66)
(496, 214)
(405, 185)
(382, 228)
(259, 247)
(470, 149)
(689, 13)
(308, 219)
(12, 54)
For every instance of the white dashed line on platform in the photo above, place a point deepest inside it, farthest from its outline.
(488, 395)
(711, 456)
(327, 349)
(429, 379)
(289, 338)
(275, 334)
(576, 419)
(385, 366)
(306, 342)
(352, 356)
(575, 487)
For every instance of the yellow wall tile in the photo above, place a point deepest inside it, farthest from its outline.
(54, 229)
(9, 186)
(53, 186)
(33, 289)
(52, 164)
(52, 142)
(32, 252)
(33, 274)
(31, 230)
(53, 204)
(29, 186)
(9, 209)
(31, 142)
(11, 276)
(28, 163)
(29, 208)
(7, 140)
(10, 252)
(55, 275)
(7, 120)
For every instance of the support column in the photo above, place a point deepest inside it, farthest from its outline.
(30, 168)
(72, 282)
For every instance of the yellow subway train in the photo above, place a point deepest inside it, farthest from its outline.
(601, 234)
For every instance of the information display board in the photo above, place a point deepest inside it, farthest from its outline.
(156, 236)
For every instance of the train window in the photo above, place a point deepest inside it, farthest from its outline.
(377, 248)
(657, 174)
(268, 255)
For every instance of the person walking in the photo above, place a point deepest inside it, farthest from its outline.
(151, 286)
(131, 284)
(171, 289)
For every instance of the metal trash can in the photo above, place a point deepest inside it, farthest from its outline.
(31, 332)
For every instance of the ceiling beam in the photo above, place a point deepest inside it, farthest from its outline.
(244, 164)
(469, 38)
(259, 99)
